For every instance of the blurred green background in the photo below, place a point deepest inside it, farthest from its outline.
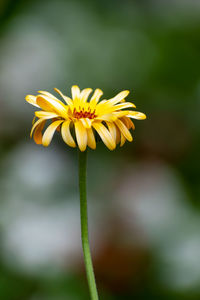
(144, 209)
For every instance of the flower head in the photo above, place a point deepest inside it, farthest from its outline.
(78, 119)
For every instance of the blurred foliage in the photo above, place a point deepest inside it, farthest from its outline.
(150, 47)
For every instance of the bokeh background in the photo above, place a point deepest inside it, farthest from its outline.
(144, 209)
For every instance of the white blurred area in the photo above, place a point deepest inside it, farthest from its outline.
(152, 197)
(29, 51)
(40, 227)
(39, 213)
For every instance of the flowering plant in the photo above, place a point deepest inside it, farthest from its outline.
(78, 120)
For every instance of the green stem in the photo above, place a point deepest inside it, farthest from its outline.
(84, 226)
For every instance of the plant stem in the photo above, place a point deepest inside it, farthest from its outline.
(84, 226)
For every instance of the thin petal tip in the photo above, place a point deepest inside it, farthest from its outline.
(126, 93)
(75, 86)
(82, 149)
(143, 117)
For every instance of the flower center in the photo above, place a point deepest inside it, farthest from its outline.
(81, 113)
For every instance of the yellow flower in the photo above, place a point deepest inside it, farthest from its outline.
(109, 118)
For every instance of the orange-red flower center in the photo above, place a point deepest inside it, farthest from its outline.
(84, 114)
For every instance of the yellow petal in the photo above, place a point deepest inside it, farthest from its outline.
(67, 99)
(122, 127)
(66, 134)
(136, 115)
(113, 130)
(49, 132)
(118, 137)
(85, 94)
(123, 140)
(127, 121)
(106, 117)
(33, 121)
(37, 136)
(103, 102)
(47, 94)
(109, 108)
(35, 125)
(103, 106)
(81, 135)
(120, 114)
(75, 92)
(124, 105)
(91, 138)
(46, 114)
(31, 99)
(119, 97)
(96, 97)
(131, 124)
(105, 135)
(86, 122)
(51, 105)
